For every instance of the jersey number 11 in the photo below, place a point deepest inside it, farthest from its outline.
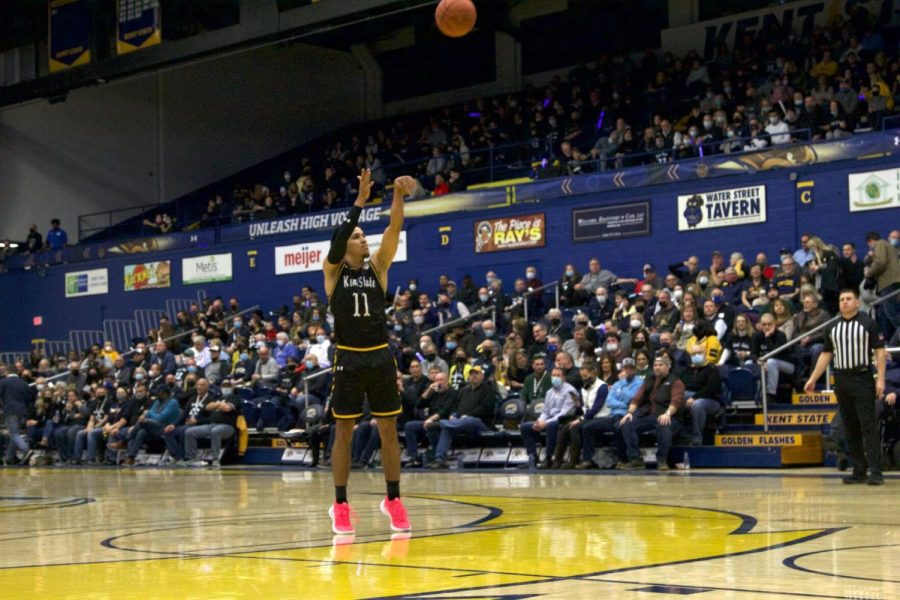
(365, 300)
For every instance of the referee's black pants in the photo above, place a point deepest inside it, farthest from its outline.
(856, 402)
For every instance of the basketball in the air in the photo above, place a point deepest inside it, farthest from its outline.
(455, 18)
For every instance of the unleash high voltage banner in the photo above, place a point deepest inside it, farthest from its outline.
(138, 25)
(69, 34)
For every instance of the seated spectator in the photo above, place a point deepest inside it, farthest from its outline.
(151, 425)
(118, 413)
(437, 399)
(812, 316)
(766, 340)
(702, 385)
(706, 340)
(161, 223)
(740, 342)
(267, 373)
(593, 395)
(76, 415)
(218, 368)
(560, 403)
(285, 349)
(121, 372)
(538, 382)
(654, 407)
(604, 417)
(312, 381)
(471, 413)
(220, 415)
(784, 317)
(201, 353)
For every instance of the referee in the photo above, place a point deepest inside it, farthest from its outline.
(851, 341)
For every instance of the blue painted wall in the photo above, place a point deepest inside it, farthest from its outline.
(25, 294)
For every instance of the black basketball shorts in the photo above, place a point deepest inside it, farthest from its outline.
(359, 376)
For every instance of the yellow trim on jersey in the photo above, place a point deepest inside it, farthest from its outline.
(337, 416)
(336, 280)
(370, 349)
(388, 414)
(377, 278)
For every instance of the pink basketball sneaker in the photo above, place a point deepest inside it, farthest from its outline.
(395, 510)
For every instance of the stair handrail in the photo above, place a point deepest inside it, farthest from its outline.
(761, 361)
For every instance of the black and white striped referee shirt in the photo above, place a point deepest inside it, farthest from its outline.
(852, 342)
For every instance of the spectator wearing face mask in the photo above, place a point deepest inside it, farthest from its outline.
(702, 385)
(556, 325)
(614, 346)
(112, 418)
(284, 349)
(313, 381)
(429, 353)
(778, 129)
(568, 296)
(322, 348)
(560, 403)
(604, 417)
(600, 308)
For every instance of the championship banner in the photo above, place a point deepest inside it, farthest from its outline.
(149, 275)
(87, 283)
(510, 233)
(69, 34)
(303, 258)
(206, 269)
(875, 190)
(722, 208)
(611, 222)
(138, 25)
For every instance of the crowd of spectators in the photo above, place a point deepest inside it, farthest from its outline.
(774, 87)
(619, 356)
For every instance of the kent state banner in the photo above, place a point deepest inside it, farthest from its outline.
(69, 34)
(137, 25)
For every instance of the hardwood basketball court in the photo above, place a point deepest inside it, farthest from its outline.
(263, 533)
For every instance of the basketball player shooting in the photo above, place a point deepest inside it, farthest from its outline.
(364, 368)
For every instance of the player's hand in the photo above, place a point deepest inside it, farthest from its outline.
(810, 386)
(365, 186)
(404, 185)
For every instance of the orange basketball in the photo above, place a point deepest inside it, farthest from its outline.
(455, 18)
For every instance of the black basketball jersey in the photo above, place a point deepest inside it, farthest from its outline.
(358, 303)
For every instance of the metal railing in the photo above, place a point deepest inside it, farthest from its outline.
(765, 357)
(462, 320)
(526, 158)
(531, 293)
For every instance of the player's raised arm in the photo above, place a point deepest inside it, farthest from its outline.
(342, 234)
(384, 256)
